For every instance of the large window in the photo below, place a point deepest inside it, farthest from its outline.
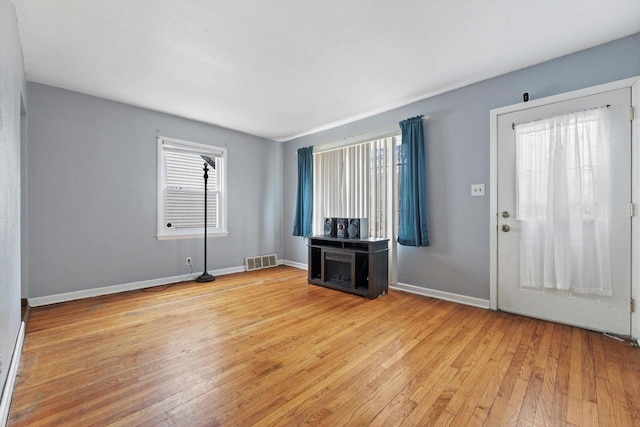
(357, 181)
(181, 190)
(360, 181)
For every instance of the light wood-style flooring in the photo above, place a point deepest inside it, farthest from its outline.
(265, 348)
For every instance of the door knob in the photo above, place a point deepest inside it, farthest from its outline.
(505, 228)
(505, 214)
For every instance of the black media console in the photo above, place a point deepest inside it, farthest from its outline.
(357, 266)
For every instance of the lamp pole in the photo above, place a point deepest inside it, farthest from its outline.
(205, 277)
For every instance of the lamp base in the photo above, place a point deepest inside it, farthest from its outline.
(205, 277)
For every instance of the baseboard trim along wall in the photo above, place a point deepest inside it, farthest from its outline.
(418, 290)
(7, 391)
(89, 293)
(107, 290)
(447, 296)
(294, 264)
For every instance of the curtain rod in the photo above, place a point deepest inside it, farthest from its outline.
(513, 124)
(355, 139)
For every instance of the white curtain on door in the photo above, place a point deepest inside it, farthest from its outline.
(562, 182)
(356, 182)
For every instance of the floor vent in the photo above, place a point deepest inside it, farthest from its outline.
(259, 262)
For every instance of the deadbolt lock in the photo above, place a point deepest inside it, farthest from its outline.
(505, 214)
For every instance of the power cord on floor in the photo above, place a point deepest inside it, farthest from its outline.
(165, 287)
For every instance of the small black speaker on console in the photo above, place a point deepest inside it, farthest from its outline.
(343, 223)
(358, 228)
(330, 227)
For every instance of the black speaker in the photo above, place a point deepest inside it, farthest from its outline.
(330, 227)
(358, 228)
(342, 225)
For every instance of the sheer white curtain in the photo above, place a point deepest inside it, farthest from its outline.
(562, 177)
(356, 182)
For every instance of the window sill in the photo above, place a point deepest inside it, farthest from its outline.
(189, 235)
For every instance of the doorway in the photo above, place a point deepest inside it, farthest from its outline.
(513, 291)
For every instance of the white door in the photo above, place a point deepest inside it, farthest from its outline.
(604, 313)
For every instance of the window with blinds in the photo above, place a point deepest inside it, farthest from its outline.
(181, 189)
(357, 181)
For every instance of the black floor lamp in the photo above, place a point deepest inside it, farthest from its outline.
(206, 277)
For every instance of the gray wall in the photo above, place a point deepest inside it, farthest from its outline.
(11, 88)
(457, 138)
(92, 194)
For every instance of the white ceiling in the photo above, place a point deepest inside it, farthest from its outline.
(286, 68)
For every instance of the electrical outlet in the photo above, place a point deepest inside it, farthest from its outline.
(477, 190)
(188, 261)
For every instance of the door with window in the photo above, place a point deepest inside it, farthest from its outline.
(564, 222)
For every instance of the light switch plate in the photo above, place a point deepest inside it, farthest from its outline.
(477, 190)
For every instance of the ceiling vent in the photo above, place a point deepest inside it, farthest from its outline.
(260, 262)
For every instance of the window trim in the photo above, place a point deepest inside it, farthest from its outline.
(194, 147)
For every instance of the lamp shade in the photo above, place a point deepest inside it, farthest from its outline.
(210, 160)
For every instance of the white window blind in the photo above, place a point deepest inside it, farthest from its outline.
(357, 182)
(185, 191)
(181, 189)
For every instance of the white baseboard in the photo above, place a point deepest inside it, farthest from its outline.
(107, 290)
(7, 391)
(299, 265)
(225, 271)
(447, 296)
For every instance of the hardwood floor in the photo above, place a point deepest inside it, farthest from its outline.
(264, 348)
